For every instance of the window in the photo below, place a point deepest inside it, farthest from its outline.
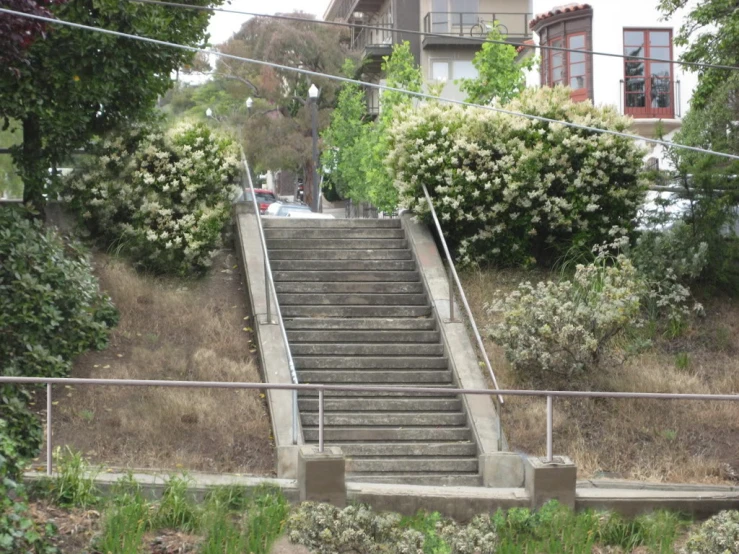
(568, 68)
(451, 70)
(648, 84)
(453, 16)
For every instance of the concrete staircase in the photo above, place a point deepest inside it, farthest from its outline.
(357, 312)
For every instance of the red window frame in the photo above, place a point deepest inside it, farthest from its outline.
(648, 94)
(568, 66)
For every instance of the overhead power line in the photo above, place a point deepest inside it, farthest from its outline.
(477, 40)
(421, 95)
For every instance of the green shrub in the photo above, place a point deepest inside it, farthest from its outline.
(510, 190)
(51, 308)
(557, 332)
(176, 509)
(718, 535)
(125, 521)
(74, 483)
(163, 199)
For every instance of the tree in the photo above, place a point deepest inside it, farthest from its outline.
(279, 127)
(79, 83)
(18, 33)
(499, 75)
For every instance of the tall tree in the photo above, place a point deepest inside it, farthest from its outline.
(279, 126)
(78, 83)
(18, 33)
(499, 75)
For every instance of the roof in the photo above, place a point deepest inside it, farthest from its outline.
(524, 45)
(567, 8)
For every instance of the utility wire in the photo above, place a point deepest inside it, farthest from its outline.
(477, 40)
(371, 85)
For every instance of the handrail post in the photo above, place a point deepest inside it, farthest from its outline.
(49, 460)
(550, 426)
(267, 291)
(320, 420)
(451, 292)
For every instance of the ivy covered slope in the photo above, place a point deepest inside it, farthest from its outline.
(512, 190)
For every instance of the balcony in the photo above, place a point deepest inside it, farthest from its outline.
(460, 26)
(374, 43)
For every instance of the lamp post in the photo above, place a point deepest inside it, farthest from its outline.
(313, 94)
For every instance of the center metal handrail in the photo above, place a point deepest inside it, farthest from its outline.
(269, 285)
(462, 296)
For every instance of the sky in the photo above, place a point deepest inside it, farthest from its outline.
(223, 25)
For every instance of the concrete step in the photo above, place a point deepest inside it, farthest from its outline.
(405, 419)
(367, 299)
(286, 233)
(382, 404)
(349, 288)
(335, 243)
(378, 378)
(309, 394)
(385, 324)
(356, 311)
(356, 349)
(408, 449)
(286, 222)
(364, 254)
(429, 479)
(371, 336)
(380, 434)
(412, 465)
(366, 276)
(345, 265)
(348, 362)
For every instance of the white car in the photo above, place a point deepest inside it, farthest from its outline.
(281, 209)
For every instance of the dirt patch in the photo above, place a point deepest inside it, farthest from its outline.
(171, 329)
(650, 440)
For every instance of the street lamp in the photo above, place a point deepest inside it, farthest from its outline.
(313, 94)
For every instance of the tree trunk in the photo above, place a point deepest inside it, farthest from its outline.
(32, 165)
(308, 185)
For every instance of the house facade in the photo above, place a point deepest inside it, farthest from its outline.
(445, 53)
(656, 92)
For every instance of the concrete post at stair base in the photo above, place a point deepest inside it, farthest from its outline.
(287, 462)
(555, 481)
(502, 470)
(321, 475)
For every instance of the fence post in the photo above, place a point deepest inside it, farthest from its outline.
(320, 420)
(550, 425)
(48, 430)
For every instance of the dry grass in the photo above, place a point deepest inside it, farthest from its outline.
(175, 330)
(670, 441)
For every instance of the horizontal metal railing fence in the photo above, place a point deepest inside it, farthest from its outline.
(269, 286)
(322, 389)
(477, 23)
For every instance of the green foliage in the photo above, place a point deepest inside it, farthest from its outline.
(176, 509)
(125, 521)
(511, 191)
(10, 183)
(74, 482)
(556, 333)
(62, 98)
(51, 308)
(163, 199)
(500, 77)
(718, 535)
(264, 520)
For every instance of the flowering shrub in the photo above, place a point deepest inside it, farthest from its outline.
(512, 190)
(558, 331)
(479, 537)
(718, 535)
(162, 198)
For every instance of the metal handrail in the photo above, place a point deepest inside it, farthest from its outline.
(269, 284)
(462, 295)
(549, 395)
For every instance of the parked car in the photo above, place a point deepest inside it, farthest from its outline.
(264, 198)
(280, 209)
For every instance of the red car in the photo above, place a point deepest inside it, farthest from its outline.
(264, 198)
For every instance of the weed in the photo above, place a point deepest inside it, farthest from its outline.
(265, 521)
(87, 415)
(682, 361)
(426, 523)
(669, 434)
(74, 484)
(125, 522)
(176, 510)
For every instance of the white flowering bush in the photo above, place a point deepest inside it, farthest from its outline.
(718, 535)
(162, 198)
(511, 190)
(556, 332)
(480, 536)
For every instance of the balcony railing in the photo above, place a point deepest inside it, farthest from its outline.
(650, 98)
(477, 24)
(368, 38)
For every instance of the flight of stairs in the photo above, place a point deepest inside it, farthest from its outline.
(356, 312)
